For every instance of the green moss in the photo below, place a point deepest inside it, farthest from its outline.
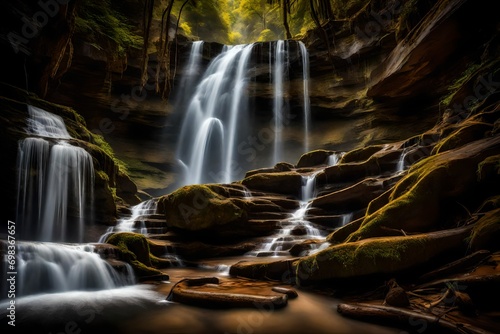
(136, 251)
(378, 255)
(486, 232)
(104, 146)
(197, 207)
(104, 27)
(463, 135)
(488, 168)
(360, 154)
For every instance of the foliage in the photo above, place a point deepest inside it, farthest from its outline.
(105, 28)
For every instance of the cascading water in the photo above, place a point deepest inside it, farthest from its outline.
(215, 119)
(294, 229)
(307, 105)
(278, 105)
(55, 197)
(191, 73)
(216, 142)
(55, 182)
(134, 222)
(334, 158)
(61, 267)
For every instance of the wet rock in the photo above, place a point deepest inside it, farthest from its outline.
(197, 207)
(313, 158)
(288, 183)
(210, 293)
(291, 293)
(381, 256)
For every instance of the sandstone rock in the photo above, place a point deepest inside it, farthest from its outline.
(313, 158)
(289, 183)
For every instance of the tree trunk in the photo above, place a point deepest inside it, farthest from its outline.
(285, 7)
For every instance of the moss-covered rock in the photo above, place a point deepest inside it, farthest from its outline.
(313, 158)
(486, 232)
(463, 135)
(386, 255)
(360, 154)
(289, 183)
(136, 251)
(198, 207)
(414, 203)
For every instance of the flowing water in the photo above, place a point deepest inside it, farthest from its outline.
(55, 182)
(215, 119)
(294, 229)
(305, 83)
(54, 202)
(216, 142)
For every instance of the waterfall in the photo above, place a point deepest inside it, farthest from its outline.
(215, 119)
(216, 142)
(305, 82)
(48, 268)
(278, 112)
(191, 73)
(55, 182)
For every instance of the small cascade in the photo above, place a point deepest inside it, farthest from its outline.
(215, 119)
(401, 166)
(55, 182)
(49, 268)
(305, 82)
(296, 228)
(334, 158)
(346, 218)
(278, 105)
(136, 222)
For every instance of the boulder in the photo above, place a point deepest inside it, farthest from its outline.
(414, 204)
(289, 183)
(198, 207)
(378, 256)
(313, 158)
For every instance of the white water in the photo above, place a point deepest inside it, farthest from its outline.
(190, 74)
(49, 267)
(334, 158)
(281, 243)
(278, 105)
(54, 202)
(401, 163)
(215, 119)
(346, 218)
(307, 105)
(55, 179)
(130, 224)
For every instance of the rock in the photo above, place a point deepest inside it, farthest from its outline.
(351, 198)
(197, 207)
(281, 270)
(396, 296)
(378, 256)
(466, 133)
(486, 232)
(288, 183)
(135, 250)
(291, 293)
(210, 293)
(313, 158)
(414, 204)
(360, 154)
